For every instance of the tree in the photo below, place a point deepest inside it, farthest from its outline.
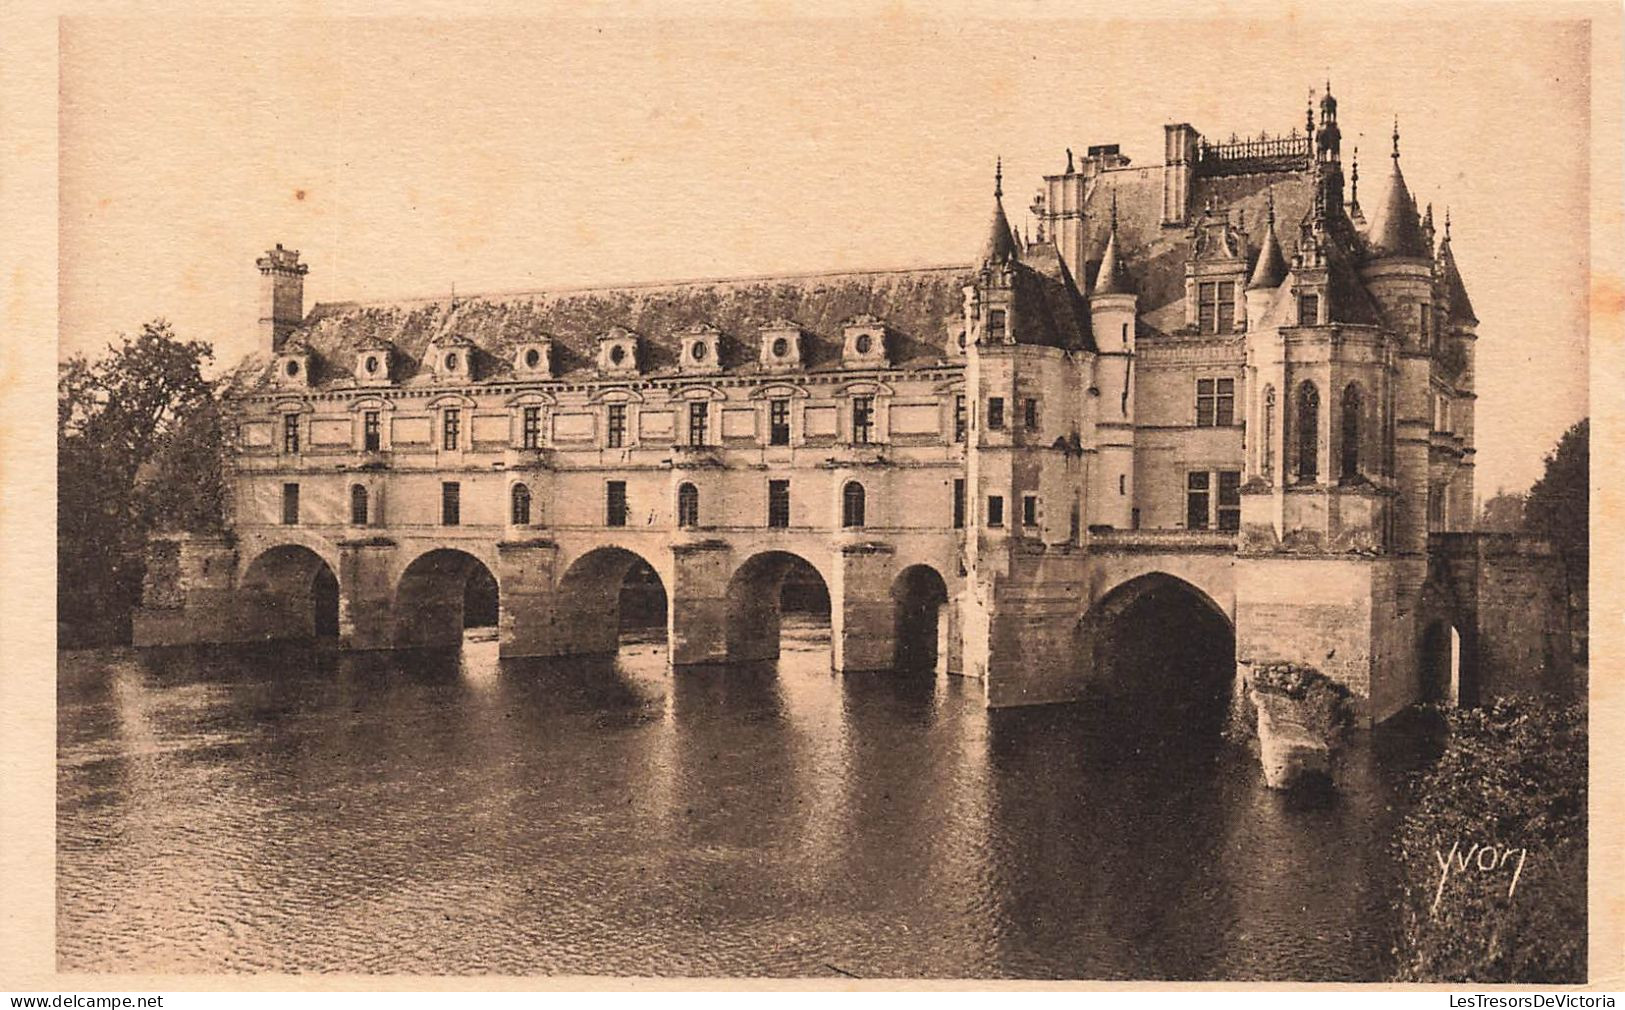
(1559, 506)
(1502, 513)
(138, 448)
(1559, 509)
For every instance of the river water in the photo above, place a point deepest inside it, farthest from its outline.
(298, 809)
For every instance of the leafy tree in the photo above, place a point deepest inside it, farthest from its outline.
(1559, 509)
(1559, 504)
(1502, 513)
(138, 448)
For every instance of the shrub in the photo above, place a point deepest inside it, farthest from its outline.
(1322, 703)
(1511, 775)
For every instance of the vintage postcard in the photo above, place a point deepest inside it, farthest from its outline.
(908, 494)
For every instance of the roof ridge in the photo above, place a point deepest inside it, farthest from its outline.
(643, 285)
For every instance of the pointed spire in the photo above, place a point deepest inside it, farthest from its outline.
(1461, 307)
(1001, 244)
(1112, 279)
(1396, 229)
(1270, 270)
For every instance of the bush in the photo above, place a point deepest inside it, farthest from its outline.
(1512, 776)
(1322, 703)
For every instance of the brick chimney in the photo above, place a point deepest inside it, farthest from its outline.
(282, 295)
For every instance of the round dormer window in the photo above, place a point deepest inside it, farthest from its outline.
(533, 357)
(617, 354)
(451, 362)
(781, 347)
(372, 364)
(697, 352)
(292, 368)
(863, 343)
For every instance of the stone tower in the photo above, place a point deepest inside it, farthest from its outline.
(282, 296)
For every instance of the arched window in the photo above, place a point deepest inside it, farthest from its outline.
(852, 504)
(688, 505)
(521, 505)
(1308, 433)
(1266, 464)
(358, 505)
(1349, 450)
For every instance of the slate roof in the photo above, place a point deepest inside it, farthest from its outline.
(922, 310)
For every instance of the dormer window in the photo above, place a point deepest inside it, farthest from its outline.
(618, 352)
(781, 346)
(533, 359)
(1308, 308)
(699, 349)
(452, 358)
(1216, 307)
(865, 342)
(293, 365)
(373, 361)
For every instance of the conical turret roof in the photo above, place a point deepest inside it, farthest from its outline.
(1001, 243)
(1112, 278)
(1395, 230)
(1461, 307)
(1270, 270)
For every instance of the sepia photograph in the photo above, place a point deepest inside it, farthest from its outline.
(887, 497)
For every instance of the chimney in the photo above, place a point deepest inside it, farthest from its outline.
(282, 295)
(1179, 159)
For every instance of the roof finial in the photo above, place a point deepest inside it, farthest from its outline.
(1354, 180)
(1114, 208)
(1069, 168)
(1309, 113)
(1447, 222)
(1270, 194)
(1396, 136)
(998, 178)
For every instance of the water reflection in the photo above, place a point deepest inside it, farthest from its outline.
(444, 812)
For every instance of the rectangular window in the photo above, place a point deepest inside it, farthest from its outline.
(863, 420)
(1196, 500)
(290, 433)
(1029, 510)
(1215, 403)
(995, 510)
(1424, 324)
(1229, 513)
(1029, 414)
(290, 504)
(995, 413)
(778, 422)
(959, 503)
(995, 326)
(370, 438)
(1216, 306)
(531, 429)
(615, 503)
(959, 418)
(451, 503)
(778, 503)
(617, 425)
(1308, 310)
(451, 428)
(698, 413)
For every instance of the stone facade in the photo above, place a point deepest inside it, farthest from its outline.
(1213, 371)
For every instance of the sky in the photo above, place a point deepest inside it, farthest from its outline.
(403, 157)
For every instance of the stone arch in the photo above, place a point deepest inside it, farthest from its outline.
(1164, 647)
(604, 591)
(758, 592)
(290, 591)
(920, 602)
(440, 593)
